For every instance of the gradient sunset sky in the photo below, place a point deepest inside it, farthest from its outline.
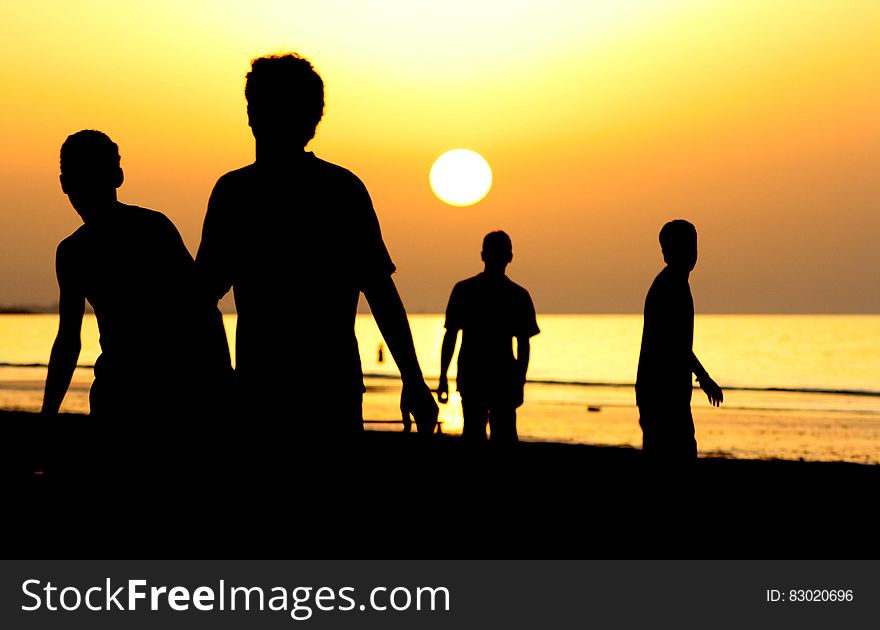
(758, 120)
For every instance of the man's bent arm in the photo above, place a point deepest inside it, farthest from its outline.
(446, 352)
(713, 391)
(216, 249)
(697, 368)
(523, 352)
(391, 318)
(65, 350)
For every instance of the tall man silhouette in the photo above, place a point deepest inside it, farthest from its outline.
(297, 240)
(162, 353)
(667, 359)
(491, 311)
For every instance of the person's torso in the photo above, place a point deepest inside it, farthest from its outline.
(491, 316)
(139, 284)
(295, 275)
(666, 358)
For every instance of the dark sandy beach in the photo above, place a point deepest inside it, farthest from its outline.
(246, 490)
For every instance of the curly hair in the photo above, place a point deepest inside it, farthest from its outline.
(284, 91)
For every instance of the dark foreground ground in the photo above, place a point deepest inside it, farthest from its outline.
(249, 491)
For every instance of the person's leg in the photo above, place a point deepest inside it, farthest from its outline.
(98, 399)
(687, 440)
(668, 434)
(648, 422)
(355, 421)
(476, 415)
(502, 424)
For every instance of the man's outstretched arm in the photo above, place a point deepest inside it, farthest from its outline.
(446, 352)
(391, 318)
(713, 391)
(65, 350)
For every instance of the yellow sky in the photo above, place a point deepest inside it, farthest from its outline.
(757, 120)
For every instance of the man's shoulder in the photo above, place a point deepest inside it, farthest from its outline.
(481, 280)
(339, 174)
(235, 177)
(669, 293)
(520, 292)
(143, 213)
(317, 169)
(468, 284)
(330, 168)
(670, 281)
(147, 217)
(662, 282)
(73, 244)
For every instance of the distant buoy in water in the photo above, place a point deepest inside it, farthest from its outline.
(381, 357)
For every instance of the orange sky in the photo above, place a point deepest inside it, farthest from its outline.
(757, 120)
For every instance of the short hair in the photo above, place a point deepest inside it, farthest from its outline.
(497, 242)
(286, 83)
(676, 235)
(89, 151)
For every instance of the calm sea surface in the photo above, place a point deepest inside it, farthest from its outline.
(796, 386)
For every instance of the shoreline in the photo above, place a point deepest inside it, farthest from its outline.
(617, 426)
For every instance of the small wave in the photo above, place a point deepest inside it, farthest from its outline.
(590, 384)
(607, 384)
(726, 407)
(790, 390)
(89, 366)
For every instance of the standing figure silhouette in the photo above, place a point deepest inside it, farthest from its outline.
(667, 359)
(162, 352)
(491, 311)
(297, 240)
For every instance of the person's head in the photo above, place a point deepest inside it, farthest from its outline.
(497, 251)
(285, 99)
(90, 170)
(678, 241)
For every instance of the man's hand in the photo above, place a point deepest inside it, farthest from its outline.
(416, 399)
(443, 391)
(713, 391)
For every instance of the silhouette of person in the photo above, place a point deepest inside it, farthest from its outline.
(491, 311)
(297, 240)
(162, 353)
(667, 360)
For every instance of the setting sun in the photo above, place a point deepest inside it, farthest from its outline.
(461, 177)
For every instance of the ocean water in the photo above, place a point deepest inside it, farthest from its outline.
(796, 386)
